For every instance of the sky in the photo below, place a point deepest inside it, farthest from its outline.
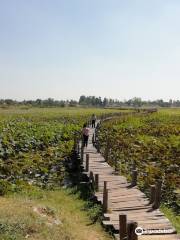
(109, 48)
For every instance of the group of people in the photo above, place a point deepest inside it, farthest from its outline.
(85, 130)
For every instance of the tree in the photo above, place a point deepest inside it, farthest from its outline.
(105, 102)
(82, 100)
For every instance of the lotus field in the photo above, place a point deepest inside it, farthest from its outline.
(36, 143)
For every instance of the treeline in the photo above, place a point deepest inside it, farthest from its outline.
(134, 102)
(50, 102)
(90, 101)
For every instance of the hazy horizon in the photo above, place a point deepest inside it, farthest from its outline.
(77, 99)
(115, 49)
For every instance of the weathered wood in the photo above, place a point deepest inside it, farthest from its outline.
(122, 227)
(105, 198)
(87, 162)
(93, 139)
(141, 220)
(105, 201)
(135, 214)
(149, 226)
(152, 196)
(105, 185)
(91, 176)
(98, 146)
(157, 200)
(82, 153)
(97, 182)
(159, 237)
(155, 237)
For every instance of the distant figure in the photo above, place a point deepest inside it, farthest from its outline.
(85, 133)
(93, 119)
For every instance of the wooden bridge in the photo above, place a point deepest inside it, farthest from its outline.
(125, 206)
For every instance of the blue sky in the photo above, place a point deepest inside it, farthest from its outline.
(66, 48)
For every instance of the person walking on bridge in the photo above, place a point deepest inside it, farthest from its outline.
(93, 119)
(85, 133)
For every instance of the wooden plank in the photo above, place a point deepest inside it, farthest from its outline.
(129, 208)
(140, 221)
(156, 212)
(160, 237)
(151, 226)
(124, 191)
(155, 237)
(135, 215)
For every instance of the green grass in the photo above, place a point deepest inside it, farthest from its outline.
(21, 216)
(55, 113)
(175, 219)
(171, 111)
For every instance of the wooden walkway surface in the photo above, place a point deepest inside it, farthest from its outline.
(123, 199)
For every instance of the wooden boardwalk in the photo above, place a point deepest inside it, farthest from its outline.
(124, 199)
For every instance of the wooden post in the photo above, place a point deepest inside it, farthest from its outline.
(131, 234)
(105, 197)
(157, 201)
(95, 135)
(91, 176)
(91, 180)
(82, 154)
(93, 139)
(134, 178)
(97, 182)
(105, 201)
(122, 226)
(87, 162)
(152, 197)
(98, 147)
(105, 185)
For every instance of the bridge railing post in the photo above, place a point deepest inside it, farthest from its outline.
(98, 146)
(122, 227)
(157, 200)
(82, 153)
(87, 162)
(152, 194)
(105, 198)
(93, 139)
(97, 182)
(91, 179)
(91, 176)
